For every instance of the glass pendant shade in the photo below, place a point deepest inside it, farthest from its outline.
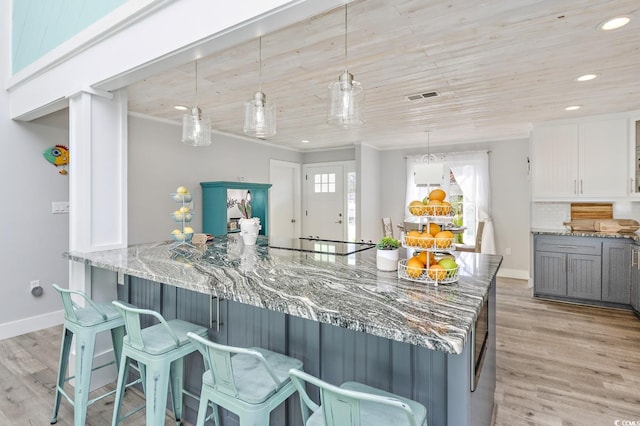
(259, 117)
(346, 100)
(196, 130)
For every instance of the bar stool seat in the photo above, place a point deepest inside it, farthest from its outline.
(248, 382)
(355, 404)
(159, 351)
(84, 323)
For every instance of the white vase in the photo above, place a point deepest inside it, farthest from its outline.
(387, 260)
(249, 229)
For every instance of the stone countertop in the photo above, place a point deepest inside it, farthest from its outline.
(566, 232)
(345, 291)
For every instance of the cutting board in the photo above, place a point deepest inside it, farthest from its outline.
(616, 225)
(591, 211)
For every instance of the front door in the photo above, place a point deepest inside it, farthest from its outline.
(324, 214)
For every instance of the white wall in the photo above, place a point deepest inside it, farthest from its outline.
(369, 177)
(325, 156)
(32, 239)
(509, 195)
(159, 163)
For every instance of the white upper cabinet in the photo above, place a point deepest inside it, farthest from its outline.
(634, 155)
(585, 159)
(555, 161)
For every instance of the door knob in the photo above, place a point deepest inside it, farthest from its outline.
(293, 221)
(339, 221)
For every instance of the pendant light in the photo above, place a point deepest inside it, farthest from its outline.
(346, 96)
(259, 115)
(196, 129)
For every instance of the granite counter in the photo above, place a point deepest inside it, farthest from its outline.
(566, 232)
(345, 291)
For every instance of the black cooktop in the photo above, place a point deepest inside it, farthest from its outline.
(317, 245)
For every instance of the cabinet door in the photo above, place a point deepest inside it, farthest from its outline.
(603, 150)
(555, 161)
(635, 278)
(550, 273)
(616, 258)
(584, 279)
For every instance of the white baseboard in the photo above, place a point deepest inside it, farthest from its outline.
(518, 274)
(27, 325)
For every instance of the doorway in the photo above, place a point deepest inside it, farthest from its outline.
(324, 201)
(284, 205)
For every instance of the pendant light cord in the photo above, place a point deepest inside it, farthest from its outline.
(260, 62)
(345, 37)
(196, 83)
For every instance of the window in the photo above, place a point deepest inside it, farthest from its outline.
(325, 182)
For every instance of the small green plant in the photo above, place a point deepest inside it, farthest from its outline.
(388, 243)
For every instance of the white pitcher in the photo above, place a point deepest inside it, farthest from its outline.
(249, 229)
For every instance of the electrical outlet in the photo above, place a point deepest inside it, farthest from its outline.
(507, 251)
(34, 284)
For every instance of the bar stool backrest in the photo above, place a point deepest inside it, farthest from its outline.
(131, 316)
(340, 407)
(217, 359)
(70, 306)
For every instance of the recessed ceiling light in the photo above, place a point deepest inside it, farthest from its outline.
(586, 77)
(615, 23)
(572, 108)
(180, 107)
(304, 141)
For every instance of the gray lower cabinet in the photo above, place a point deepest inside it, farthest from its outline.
(635, 278)
(569, 267)
(616, 258)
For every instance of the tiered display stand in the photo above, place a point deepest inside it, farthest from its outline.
(182, 218)
(437, 246)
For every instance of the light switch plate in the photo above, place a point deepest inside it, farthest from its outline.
(60, 207)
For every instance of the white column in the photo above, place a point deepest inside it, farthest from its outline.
(97, 196)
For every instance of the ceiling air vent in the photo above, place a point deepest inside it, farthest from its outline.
(419, 96)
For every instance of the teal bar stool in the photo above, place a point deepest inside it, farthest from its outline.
(84, 323)
(248, 382)
(355, 404)
(159, 351)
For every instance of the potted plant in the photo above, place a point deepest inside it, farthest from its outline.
(387, 254)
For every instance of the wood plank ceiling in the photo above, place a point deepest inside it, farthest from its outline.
(498, 66)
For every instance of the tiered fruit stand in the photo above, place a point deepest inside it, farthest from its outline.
(434, 247)
(183, 216)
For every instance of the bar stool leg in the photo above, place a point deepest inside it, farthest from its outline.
(65, 349)
(117, 337)
(176, 375)
(156, 393)
(85, 345)
(202, 411)
(123, 373)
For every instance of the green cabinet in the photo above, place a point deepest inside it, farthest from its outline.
(214, 205)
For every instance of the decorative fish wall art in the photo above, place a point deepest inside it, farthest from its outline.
(58, 156)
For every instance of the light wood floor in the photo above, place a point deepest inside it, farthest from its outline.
(562, 364)
(558, 364)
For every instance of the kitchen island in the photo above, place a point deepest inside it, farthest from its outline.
(342, 317)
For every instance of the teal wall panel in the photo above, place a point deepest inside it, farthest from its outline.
(38, 26)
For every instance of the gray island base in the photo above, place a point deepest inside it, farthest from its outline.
(344, 319)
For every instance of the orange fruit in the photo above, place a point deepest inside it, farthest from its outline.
(436, 272)
(437, 194)
(434, 228)
(444, 239)
(434, 202)
(426, 257)
(411, 239)
(414, 267)
(425, 240)
(416, 208)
